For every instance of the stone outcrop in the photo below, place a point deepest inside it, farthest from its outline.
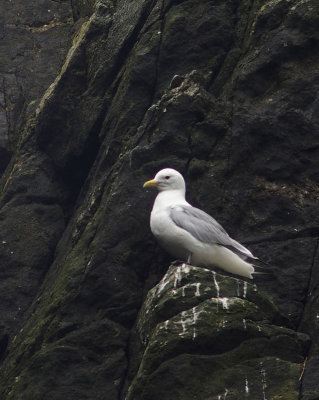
(202, 335)
(227, 93)
(35, 38)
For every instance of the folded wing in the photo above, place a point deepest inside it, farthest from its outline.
(206, 229)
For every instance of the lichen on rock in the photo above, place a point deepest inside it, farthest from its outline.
(195, 319)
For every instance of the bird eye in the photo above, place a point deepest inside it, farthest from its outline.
(167, 177)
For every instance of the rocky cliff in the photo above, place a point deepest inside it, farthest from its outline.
(95, 97)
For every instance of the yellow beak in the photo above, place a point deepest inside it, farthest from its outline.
(150, 183)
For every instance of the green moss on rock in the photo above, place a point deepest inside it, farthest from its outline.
(207, 335)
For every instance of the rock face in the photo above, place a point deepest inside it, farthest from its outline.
(204, 336)
(227, 93)
(34, 40)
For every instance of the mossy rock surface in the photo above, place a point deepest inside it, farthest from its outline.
(196, 320)
(95, 98)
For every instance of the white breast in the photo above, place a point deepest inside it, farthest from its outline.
(170, 236)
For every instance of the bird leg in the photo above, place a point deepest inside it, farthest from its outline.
(177, 262)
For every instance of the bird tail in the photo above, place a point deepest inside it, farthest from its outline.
(231, 262)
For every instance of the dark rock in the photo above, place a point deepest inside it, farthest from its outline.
(202, 335)
(35, 37)
(224, 91)
(5, 157)
(32, 220)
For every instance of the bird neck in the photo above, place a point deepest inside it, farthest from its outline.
(170, 197)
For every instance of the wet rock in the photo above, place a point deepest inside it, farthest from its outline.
(224, 91)
(32, 219)
(196, 320)
(35, 38)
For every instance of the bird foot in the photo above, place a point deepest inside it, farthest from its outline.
(177, 262)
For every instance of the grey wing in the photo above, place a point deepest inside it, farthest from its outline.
(205, 228)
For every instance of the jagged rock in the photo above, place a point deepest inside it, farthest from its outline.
(35, 37)
(204, 335)
(224, 91)
(32, 220)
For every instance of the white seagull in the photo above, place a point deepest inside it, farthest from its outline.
(189, 233)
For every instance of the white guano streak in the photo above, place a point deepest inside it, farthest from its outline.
(224, 301)
(197, 292)
(177, 276)
(189, 320)
(245, 290)
(163, 283)
(216, 284)
(246, 386)
(263, 380)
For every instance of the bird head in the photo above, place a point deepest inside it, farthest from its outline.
(167, 179)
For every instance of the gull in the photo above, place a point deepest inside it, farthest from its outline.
(191, 234)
